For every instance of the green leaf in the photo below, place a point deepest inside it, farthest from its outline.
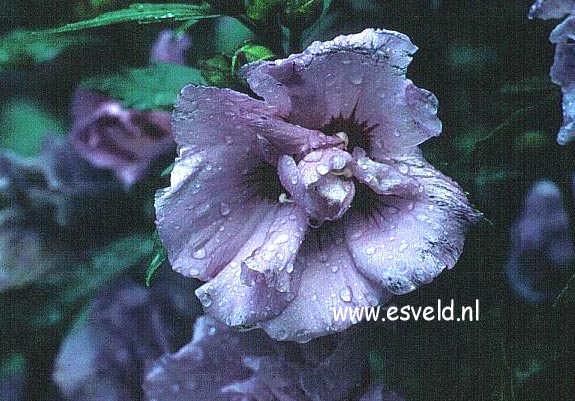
(107, 264)
(159, 255)
(262, 10)
(217, 71)
(148, 87)
(20, 48)
(300, 14)
(23, 126)
(567, 294)
(142, 14)
(250, 53)
(167, 170)
(529, 85)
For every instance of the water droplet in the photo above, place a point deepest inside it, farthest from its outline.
(356, 235)
(282, 334)
(194, 272)
(199, 253)
(403, 169)
(422, 217)
(205, 299)
(334, 268)
(224, 209)
(322, 169)
(282, 238)
(289, 267)
(357, 80)
(314, 297)
(345, 294)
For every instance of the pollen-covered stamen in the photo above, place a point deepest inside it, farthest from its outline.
(319, 183)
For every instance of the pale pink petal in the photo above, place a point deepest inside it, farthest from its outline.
(563, 74)
(207, 364)
(263, 277)
(382, 178)
(362, 79)
(329, 281)
(551, 9)
(317, 183)
(402, 242)
(215, 202)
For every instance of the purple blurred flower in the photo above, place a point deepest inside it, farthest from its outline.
(126, 328)
(23, 254)
(542, 249)
(222, 364)
(170, 49)
(334, 144)
(551, 9)
(56, 186)
(563, 68)
(111, 137)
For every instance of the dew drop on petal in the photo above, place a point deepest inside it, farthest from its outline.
(199, 253)
(282, 238)
(322, 169)
(224, 209)
(205, 299)
(357, 80)
(282, 334)
(345, 294)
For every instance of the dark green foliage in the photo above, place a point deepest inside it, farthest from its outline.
(153, 87)
(159, 256)
(142, 14)
(20, 48)
(300, 14)
(262, 10)
(250, 53)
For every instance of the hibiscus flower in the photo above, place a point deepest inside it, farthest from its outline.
(313, 195)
